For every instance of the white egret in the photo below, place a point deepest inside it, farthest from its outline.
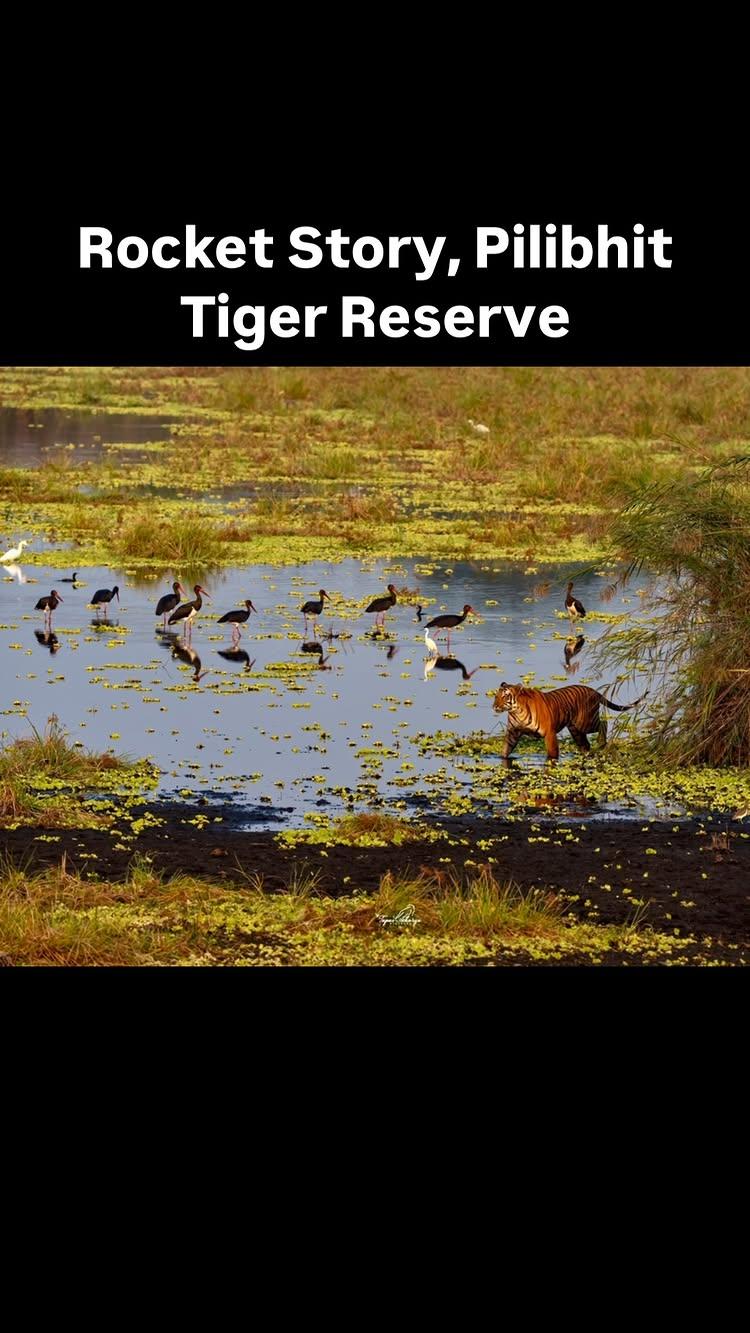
(13, 554)
(478, 428)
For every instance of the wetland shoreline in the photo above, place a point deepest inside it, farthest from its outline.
(245, 839)
(694, 882)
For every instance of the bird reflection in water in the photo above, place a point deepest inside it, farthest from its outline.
(572, 649)
(316, 650)
(447, 664)
(167, 638)
(237, 655)
(186, 654)
(46, 638)
(16, 572)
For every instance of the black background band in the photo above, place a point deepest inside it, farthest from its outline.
(54, 312)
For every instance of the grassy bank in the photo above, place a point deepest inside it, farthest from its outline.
(432, 919)
(45, 780)
(337, 461)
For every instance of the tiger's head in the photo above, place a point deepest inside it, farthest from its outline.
(506, 698)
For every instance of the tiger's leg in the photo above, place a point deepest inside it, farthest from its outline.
(553, 748)
(602, 731)
(580, 739)
(512, 737)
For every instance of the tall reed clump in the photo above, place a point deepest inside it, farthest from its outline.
(693, 535)
(188, 540)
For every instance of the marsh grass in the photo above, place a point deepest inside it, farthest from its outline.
(51, 754)
(275, 509)
(61, 918)
(368, 827)
(567, 447)
(15, 800)
(334, 464)
(54, 482)
(377, 507)
(188, 540)
(93, 387)
(474, 902)
(42, 774)
(694, 535)
(236, 391)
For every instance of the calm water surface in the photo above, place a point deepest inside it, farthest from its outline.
(31, 437)
(286, 725)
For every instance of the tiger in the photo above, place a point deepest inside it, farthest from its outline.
(545, 713)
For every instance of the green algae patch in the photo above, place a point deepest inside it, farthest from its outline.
(622, 776)
(360, 830)
(48, 781)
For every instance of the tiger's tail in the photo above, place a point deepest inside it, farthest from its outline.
(622, 708)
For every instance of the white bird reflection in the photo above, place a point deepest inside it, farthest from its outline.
(16, 573)
(447, 664)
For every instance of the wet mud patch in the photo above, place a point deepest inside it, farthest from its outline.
(683, 881)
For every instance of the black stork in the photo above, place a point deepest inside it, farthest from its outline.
(103, 597)
(237, 618)
(48, 605)
(573, 607)
(380, 605)
(313, 608)
(189, 610)
(169, 601)
(450, 622)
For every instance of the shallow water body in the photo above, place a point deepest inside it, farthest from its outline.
(286, 724)
(32, 436)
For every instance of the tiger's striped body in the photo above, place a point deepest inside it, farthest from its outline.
(545, 712)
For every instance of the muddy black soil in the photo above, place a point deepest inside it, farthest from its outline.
(696, 882)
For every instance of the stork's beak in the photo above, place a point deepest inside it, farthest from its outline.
(117, 595)
(205, 594)
(59, 598)
(254, 608)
